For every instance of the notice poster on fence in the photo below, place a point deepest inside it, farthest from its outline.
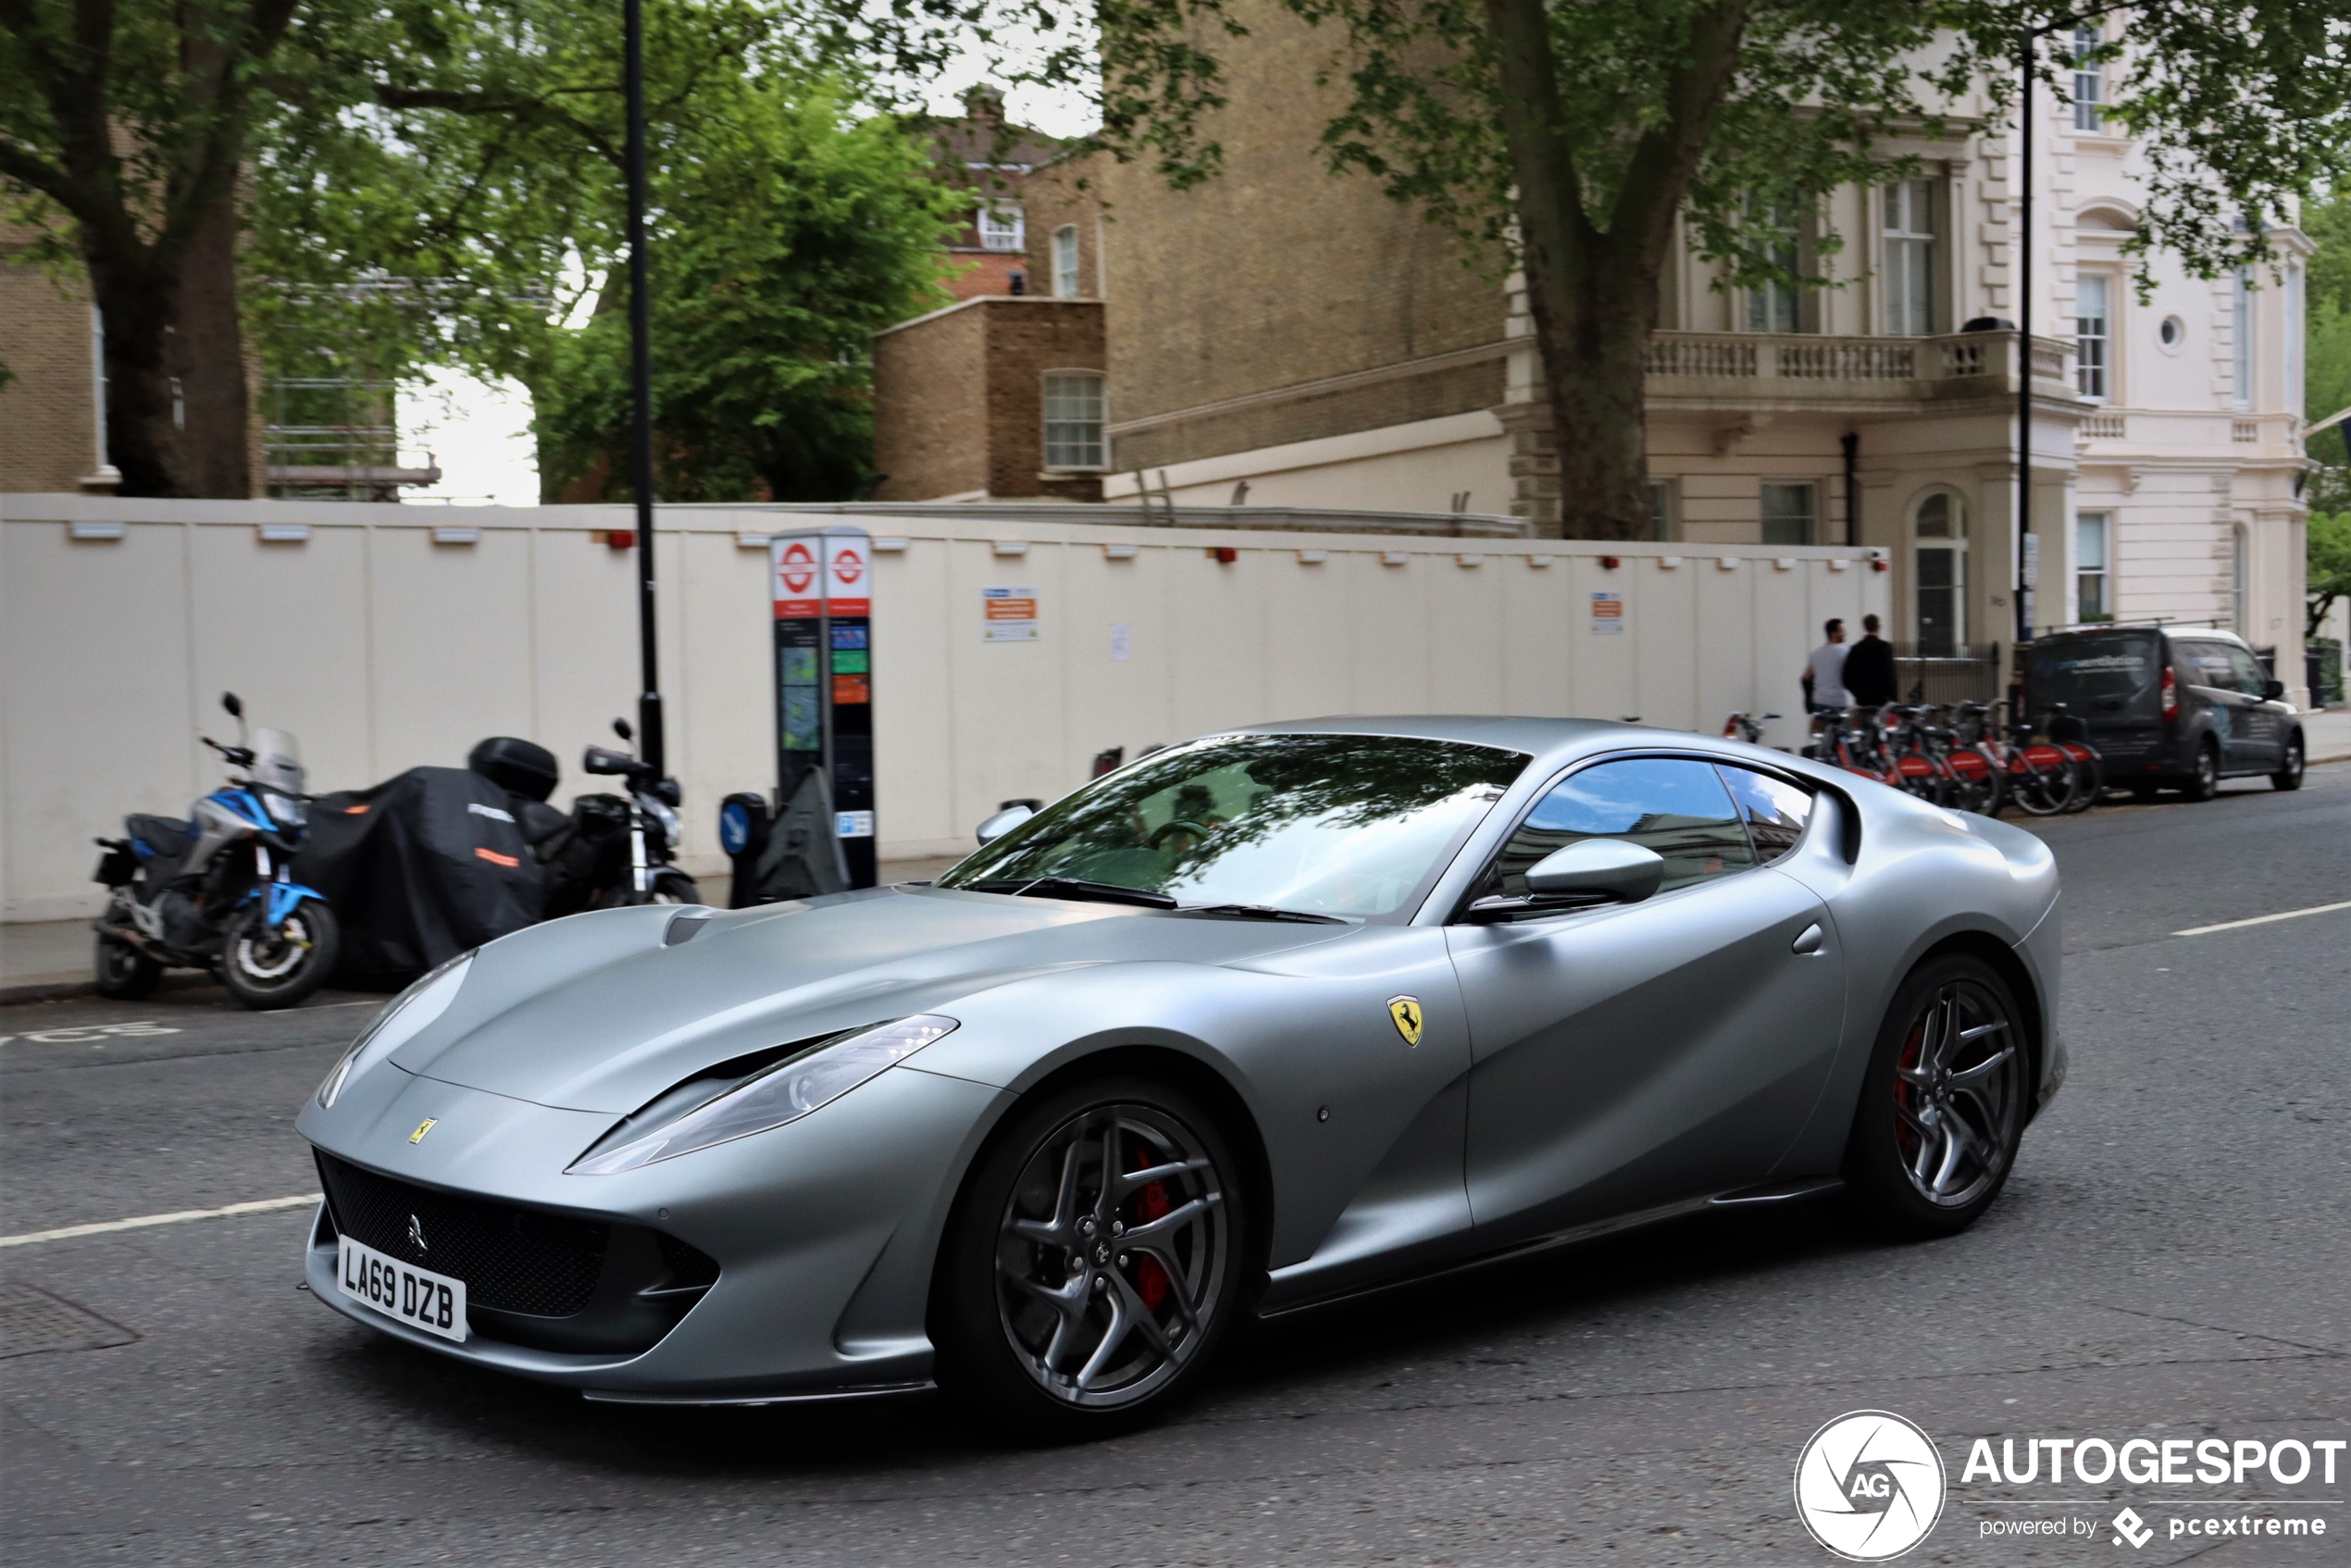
(1008, 614)
(1608, 615)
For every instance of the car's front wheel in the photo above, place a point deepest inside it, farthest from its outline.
(2289, 773)
(1094, 1262)
(1943, 1103)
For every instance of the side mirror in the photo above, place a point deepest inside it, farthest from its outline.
(1004, 821)
(620, 728)
(604, 759)
(1609, 867)
(2271, 690)
(229, 701)
(1588, 872)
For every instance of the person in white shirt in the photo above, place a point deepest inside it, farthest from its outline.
(1824, 673)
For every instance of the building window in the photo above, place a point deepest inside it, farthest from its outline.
(1909, 259)
(1073, 420)
(2241, 329)
(1789, 513)
(1938, 560)
(2240, 574)
(1776, 306)
(2092, 335)
(1002, 227)
(2093, 597)
(1661, 509)
(1065, 262)
(2089, 79)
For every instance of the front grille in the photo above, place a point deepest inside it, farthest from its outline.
(512, 1258)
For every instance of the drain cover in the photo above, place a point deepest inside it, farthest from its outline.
(32, 1321)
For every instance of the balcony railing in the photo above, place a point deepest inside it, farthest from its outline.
(1803, 365)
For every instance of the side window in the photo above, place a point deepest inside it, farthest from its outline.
(2206, 663)
(2246, 672)
(1680, 809)
(1776, 812)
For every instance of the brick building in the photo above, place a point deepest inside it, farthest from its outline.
(997, 398)
(51, 410)
(989, 255)
(1289, 337)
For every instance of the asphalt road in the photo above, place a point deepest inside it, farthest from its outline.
(2170, 1260)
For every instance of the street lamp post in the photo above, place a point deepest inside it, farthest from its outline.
(2023, 594)
(651, 748)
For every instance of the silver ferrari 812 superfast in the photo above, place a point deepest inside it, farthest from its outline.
(1254, 1022)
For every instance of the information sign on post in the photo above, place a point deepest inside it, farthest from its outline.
(822, 583)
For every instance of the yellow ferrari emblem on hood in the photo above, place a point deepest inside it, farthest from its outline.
(1406, 1011)
(423, 1127)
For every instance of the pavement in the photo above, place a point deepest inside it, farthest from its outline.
(2170, 1260)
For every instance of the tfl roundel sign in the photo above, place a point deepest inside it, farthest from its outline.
(797, 571)
(828, 573)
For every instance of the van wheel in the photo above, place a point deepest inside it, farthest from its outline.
(2204, 782)
(2290, 776)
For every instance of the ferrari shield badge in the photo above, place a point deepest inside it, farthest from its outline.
(1406, 1012)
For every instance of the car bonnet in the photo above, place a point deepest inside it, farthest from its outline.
(596, 1014)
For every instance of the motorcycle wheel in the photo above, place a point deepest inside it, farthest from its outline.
(124, 973)
(265, 969)
(673, 887)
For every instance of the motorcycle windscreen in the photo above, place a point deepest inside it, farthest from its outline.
(277, 761)
(420, 869)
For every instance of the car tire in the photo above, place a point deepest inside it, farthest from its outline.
(1050, 1320)
(1944, 1102)
(2289, 776)
(259, 970)
(2204, 782)
(124, 973)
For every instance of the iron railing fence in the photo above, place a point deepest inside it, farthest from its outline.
(1969, 672)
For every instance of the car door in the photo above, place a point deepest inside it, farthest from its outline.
(2261, 722)
(1635, 1054)
(2204, 668)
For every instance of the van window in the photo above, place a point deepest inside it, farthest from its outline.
(2078, 671)
(2208, 664)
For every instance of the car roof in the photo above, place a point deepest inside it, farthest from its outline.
(1536, 737)
(2094, 632)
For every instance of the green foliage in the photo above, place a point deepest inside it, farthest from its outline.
(450, 190)
(2328, 560)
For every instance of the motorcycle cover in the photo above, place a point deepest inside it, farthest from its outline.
(419, 869)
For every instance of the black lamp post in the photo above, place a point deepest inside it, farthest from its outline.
(651, 749)
(2024, 595)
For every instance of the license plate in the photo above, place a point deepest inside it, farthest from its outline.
(419, 1298)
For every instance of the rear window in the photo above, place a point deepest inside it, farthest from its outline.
(2078, 671)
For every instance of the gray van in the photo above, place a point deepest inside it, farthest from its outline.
(2167, 706)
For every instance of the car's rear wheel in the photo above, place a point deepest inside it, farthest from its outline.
(2204, 782)
(1093, 1263)
(1944, 1102)
(2289, 774)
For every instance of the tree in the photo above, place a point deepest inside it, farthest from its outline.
(2328, 562)
(1575, 136)
(123, 124)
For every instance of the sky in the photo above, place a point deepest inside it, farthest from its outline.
(480, 432)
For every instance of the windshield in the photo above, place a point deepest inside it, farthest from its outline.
(2079, 671)
(277, 761)
(1352, 826)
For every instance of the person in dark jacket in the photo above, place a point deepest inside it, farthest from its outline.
(1869, 668)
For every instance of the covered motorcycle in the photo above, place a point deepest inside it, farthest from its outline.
(423, 867)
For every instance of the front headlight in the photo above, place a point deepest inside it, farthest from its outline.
(397, 1025)
(785, 1093)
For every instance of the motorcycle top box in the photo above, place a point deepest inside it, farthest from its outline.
(521, 767)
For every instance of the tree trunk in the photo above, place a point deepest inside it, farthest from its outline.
(1593, 292)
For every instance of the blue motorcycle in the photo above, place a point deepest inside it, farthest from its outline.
(215, 892)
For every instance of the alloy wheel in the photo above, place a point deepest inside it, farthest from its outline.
(1959, 1094)
(1111, 1255)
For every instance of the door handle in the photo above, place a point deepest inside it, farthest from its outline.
(1808, 942)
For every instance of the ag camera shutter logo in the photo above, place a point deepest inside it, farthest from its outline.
(1869, 1485)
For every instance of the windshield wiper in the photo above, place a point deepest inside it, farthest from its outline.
(1073, 888)
(1263, 911)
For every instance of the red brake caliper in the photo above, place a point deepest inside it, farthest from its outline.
(1150, 1203)
(1905, 1094)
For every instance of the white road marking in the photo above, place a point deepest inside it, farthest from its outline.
(83, 1034)
(2263, 919)
(259, 1206)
